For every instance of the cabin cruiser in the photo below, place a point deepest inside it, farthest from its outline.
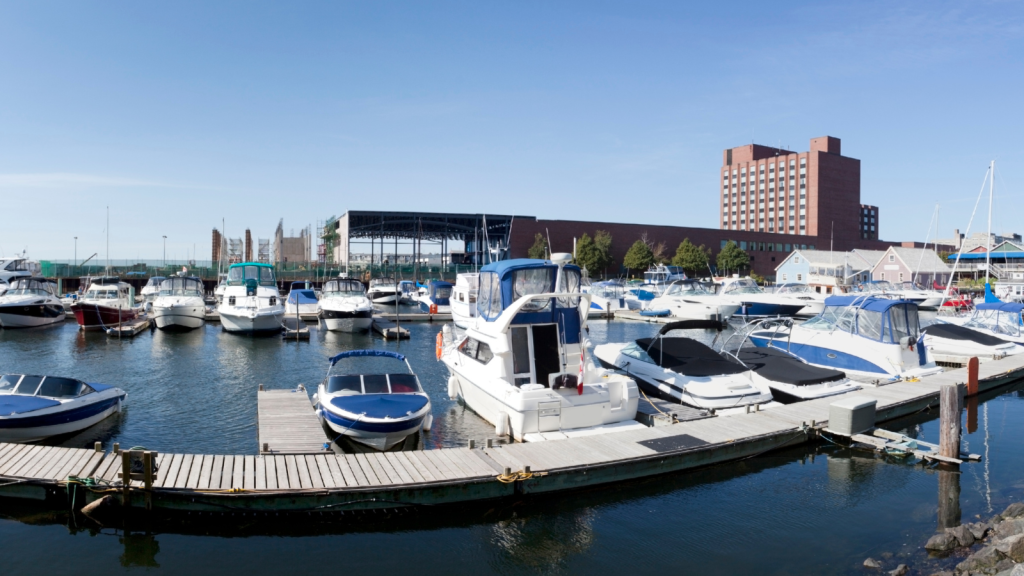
(814, 302)
(607, 297)
(438, 298)
(150, 291)
(301, 300)
(180, 304)
(867, 337)
(681, 369)
(925, 299)
(383, 291)
(30, 302)
(378, 410)
(106, 303)
(951, 339)
(33, 408)
(689, 300)
(252, 304)
(523, 363)
(344, 307)
(1000, 319)
(220, 288)
(463, 300)
(410, 293)
(754, 301)
(18, 267)
(659, 276)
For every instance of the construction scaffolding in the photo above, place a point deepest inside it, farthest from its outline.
(263, 252)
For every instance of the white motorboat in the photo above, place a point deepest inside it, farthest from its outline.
(755, 302)
(523, 363)
(301, 300)
(689, 300)
(924, 298)
(964, 341)
(865, 336)
(252, 304)
(344, 307)
(378, 410)
(607, 298)
(681, 369)
(383, 291)
(30, 302)
(18, 267)
(33, 408)
(438, 298)
(107, 302)
(150, 291)
(814, 302)
(1000, 319)
(463, 300)
(179, 305)
(220, 288)
(410, 294)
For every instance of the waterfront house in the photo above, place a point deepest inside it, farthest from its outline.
(825, 270)
(899, 264)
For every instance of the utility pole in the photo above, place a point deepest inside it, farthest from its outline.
(165, 251)
(76, 251)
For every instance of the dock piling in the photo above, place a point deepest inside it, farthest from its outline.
(949, 420)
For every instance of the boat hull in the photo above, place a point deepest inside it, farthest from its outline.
(31, 315)
(347, 321)
(377, 435)
(96, 317)
(33, 428)
(260, 323)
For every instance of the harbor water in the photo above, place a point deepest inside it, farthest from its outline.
(815, 509)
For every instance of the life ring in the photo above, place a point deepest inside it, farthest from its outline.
(440, 345)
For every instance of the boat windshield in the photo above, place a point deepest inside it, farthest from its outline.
(181, 287)
(442, 292)
(794, 289)
(101, 293)
(891, 325)
(155, 282)
(343, 288)
(606, 290)
(998, 321)
(533, 281)
(686, 289)
(742, 286)
(262, 274)
(382, 282)
(373, 384)
(633, 350)
(49, 386)
(29, 286)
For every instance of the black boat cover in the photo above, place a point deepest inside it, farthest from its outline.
(778, 366)
(954, 332)
(688, 357)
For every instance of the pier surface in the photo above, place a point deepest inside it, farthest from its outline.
(278, 482)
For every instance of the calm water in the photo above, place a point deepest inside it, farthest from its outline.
(815, 509)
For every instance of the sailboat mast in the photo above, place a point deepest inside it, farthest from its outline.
(108, 240)
(988, 249)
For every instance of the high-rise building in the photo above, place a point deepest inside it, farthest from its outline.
(813, 193)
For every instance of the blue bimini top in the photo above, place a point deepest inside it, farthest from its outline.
(1011, 307)
(393, 406)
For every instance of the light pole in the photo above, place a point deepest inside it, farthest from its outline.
(76, 251)
(165, 251)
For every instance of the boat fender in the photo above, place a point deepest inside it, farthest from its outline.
(433, 308)
(428, 421)
(440, 345)
(501, 427)
(453, 388)
(315, 399)
(447, 331)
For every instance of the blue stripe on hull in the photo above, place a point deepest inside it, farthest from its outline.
(58, 418)
(378, 427)
(767, 309)
(821, 356)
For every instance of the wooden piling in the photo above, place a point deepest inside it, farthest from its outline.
(949, 498)
(949, 421)
(972, 376)
(972, 414)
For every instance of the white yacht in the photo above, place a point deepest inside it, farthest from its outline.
(867, 337)
(344, 307)
(814, 301)
(410, 293)
(607, 298)
(30, 302)
(384, 291)
(179, 304)
(523, 363)
(18, 267)
(753, 301)
(252, 304)
(463, 300)
(150, 291)
(924, 298)
(302, 300)
(689, 300)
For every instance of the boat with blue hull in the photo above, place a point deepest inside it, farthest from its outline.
(437, 299)
(755, 302)
(377, 410)
(33, 408)
(865, 336)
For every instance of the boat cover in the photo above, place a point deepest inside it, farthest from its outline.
(303, 297)
(11, 404)
(778, 366)
(688, 357)
(954, 332)
(381, 405)
(866, 302)
(361, 353)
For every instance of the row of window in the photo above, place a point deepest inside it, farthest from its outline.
(768, 246)
(771, 168)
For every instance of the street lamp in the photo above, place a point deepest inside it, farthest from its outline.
(165, 251)
(76, 251)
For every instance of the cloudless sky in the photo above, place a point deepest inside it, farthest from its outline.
(176, 114)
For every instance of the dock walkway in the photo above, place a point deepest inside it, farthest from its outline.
(287, 423)
(325, 482)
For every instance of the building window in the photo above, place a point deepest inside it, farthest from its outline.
(892, 257)
(901, 276)
(883, 275)
(783, 276)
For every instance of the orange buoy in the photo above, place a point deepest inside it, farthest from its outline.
(433, 308)
(440, 345)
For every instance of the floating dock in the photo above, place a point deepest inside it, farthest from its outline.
(287, 423)
(294, 329)
(414, 317)
(129, 329)
(319, 482)
(389, 330)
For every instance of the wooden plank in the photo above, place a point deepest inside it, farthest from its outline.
(35, 465)
(167, 475)
(261, 473)
(427, 468)
(78, 458)
(21, 460)
(335, 468)
(394, 468)
(368, 471)
(473, 466)
(271, 478)
(382, 474)
(6, 449)
(506, 457)
(13, 456)
(413, 467)
(217, 471)
(104, 471)
(354, 475)
(184, 473)
(456, 468)
(443, 464)
(283, 479)
(206, 472)
(238, 473)
(312, 470)
(249, 473)
(295, 480)
(86, 469)
(196, 473)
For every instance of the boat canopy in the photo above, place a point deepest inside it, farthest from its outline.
(258, 272)
(505, 281)
(366, 353)
(687, 287)
(301, 285)
(1003, 318)
(741, 286)
(155, 281)
(1012, 307)
(40, 286)
(344, 285)
(440, 292)
(181, 286)
(302, 297)
(881, 319)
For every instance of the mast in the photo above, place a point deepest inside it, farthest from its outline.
(988, 240)
(108, 240)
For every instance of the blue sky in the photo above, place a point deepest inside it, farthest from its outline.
(178, 114)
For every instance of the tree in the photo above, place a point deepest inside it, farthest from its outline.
(639, 257)
(693, 260)
(539, 250)
(603, 248)
(732, 258)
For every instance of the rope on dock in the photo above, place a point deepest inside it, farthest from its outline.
(510, 477)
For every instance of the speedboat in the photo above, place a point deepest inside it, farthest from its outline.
(659, 276)
(344, 307)
(34, 408)
(378, 410)
(409, 292)
(951, 339)
(18, 267)
(1000, 319)
(925, 299)
(30, 302)
(252, 304)
(301, 300)
(438, 298)
(463, 300)
(523, 363)
(107, 302)
(754, 301)
(607, 297)
(814, 302)
(220, 288)
(689, 300)
(681, 369)
(150, 291)
(867, 337)
(791, 378)
(383, 291)
(180, 304)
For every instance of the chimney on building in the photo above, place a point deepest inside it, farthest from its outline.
(215, 252)
(827, 144)
(248, 245)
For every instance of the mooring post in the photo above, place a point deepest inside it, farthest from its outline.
(949, 421)
(126, 478)
(147, 476)
(949, 498)
(98, 446)
(972, 414)
(972, 376)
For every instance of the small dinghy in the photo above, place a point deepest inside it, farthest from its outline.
(377, 410)
(33, 408)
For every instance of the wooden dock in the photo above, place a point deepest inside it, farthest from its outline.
(294, 329)
(129, 329)
(287, 423)
(389, 330)
(277, 483)
(414, 317)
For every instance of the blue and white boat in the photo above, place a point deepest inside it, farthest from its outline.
(755, 302)
(377, 410)
(607, 297)
(34, 408)
(301, 300)
(1004, 320)
(437, 300)
(868, 337)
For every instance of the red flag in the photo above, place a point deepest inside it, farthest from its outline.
(579, 379)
